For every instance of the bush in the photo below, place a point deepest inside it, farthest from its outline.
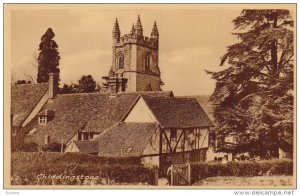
(53, 147)
(29, 147)
(243, 168)
(27, 166)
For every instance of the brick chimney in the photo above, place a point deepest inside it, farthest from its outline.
(53, 85)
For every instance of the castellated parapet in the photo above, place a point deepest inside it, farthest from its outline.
(140, 40)
(134, 60)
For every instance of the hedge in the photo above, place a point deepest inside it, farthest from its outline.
(77, 168)
(241, 168)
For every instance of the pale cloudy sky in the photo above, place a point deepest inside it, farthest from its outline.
(191, 40)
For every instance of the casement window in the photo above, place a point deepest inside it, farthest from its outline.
(173, 134)
(42, 120)
(85, 136)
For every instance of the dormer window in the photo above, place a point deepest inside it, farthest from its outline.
(129, 149)
(45, 116)
(85, 136)
(42, 120)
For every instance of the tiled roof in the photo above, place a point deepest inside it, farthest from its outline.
(178, 112)
(90, 147)
(24, 97)
(150, 93)
(93, 112)
(132, 138)
(207, 106)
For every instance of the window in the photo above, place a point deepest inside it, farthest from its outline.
(147, 62)
(129, 149)
(14, 131)
(121, 62)
(47, 139)
(173, 133)
(42, 120)
(84, 136)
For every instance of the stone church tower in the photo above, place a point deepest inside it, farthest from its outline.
(134, 60)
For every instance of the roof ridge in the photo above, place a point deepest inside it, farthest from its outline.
(95, 93)
(146, 92)
(43, 83)
(123, 122)
(85, 141)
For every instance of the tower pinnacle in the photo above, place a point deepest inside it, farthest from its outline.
(132, 30)
(116, 31)
(154, 29)
(138, 27)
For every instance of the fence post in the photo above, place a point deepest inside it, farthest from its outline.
(172, 176)
(189, 173)
(156, 177)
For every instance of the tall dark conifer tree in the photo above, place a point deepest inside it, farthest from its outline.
(254, 96)
(48, 59)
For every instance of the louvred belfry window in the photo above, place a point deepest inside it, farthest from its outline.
(121, 62)
(147, 62)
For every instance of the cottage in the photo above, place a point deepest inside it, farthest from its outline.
(161, 130)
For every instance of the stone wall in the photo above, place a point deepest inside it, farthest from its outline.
(144, 80)
(141, 55)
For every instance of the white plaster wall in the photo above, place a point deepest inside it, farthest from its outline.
(140, 113)
(71, 148)
(153, 145)
(204, 135)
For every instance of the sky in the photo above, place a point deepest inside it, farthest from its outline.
(192, 40)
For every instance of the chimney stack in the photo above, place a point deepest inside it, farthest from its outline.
(53, 85)
(47, 139)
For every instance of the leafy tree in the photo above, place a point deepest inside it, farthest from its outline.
(253, 97)
(86, 84)
(48, 59)
(67, 89)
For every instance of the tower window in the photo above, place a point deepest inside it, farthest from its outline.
(120, 62)
(147, 62)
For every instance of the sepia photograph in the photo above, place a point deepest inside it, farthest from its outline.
(149, 96)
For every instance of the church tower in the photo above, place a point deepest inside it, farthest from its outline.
(134, 60)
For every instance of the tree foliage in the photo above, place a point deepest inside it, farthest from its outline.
(86, 84)
(253, 97)
(48, 59)
(67, 89)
